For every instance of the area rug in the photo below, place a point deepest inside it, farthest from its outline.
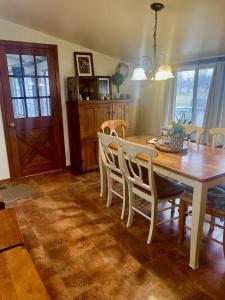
(11, 193)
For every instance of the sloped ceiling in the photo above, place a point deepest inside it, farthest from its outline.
(188, 29)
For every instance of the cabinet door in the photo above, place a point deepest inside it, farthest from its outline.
(118, 111)
(131, 117)
(87, 122)
(89, 155)
(102, 114)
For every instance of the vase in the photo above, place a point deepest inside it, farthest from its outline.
(177, 142)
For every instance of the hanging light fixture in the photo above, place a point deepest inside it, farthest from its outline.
(158, 72)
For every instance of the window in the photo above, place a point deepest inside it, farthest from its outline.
(29, 85)
(191, 92)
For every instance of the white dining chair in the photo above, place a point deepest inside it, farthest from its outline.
(215, 133)
(152, 189)
(113, 168)
(190, 129)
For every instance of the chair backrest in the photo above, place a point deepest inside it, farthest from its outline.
(132, 169)
(215, 132)
(113, 126)
(190, 129)
(110, 159)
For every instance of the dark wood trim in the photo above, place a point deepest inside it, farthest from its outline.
(5, 124)
(54, 50)
(59, 106)
(5, 181)
(26, 44)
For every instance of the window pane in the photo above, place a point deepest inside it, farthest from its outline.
(32, 108)
(42, 65)
(30, 87)
(45, 107)
(19, 108)
(28, 64)
(14, 67)
(16, 86)
(204, 81)
(43, 86)
(184, 93)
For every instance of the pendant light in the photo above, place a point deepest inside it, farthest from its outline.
(158, 71)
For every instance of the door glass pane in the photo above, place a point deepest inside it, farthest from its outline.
(19, 108)
(14, 66)
(45, 107)
(43, 86)
(28, 64)
(32, 107)
(42, 65)
(184, 93)
(16, 86)
(30, 87)
(204, 81)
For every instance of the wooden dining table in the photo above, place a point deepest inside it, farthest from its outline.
(200, 167)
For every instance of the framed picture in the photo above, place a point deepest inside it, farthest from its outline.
(84, 64)
(104, 87)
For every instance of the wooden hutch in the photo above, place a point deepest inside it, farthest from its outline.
(85, 118)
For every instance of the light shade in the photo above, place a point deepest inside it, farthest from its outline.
(139, 74)
(163, 73)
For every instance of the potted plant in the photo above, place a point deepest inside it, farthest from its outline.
(176, 132)
(118, 79)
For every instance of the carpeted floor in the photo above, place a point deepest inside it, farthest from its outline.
(82, 250)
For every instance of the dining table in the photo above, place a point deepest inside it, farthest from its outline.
(200, 167)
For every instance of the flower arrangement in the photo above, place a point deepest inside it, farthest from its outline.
(176, 129)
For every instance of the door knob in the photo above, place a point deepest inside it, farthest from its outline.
(13, 125)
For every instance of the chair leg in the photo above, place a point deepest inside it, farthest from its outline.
(224, 240)
(124, 199)
(131, 212)
(212, 225)
(182, 219)
(110, 186)
(152, 223)
(173, 208)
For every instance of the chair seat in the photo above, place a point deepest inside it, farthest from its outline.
(215, 199)
(166, 189)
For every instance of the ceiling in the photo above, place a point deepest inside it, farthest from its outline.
(188, 29)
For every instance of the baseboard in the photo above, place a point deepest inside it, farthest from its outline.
(4, 181)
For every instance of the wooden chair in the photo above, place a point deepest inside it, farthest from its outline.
(113, 168)
(215, 208)
(152, 189)
(215, 132)
(190, 129)
(114, 126)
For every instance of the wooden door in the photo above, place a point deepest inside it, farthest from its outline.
(131, 117)
(87, 122)
(102, 114)
(31, 108)
(118, 111)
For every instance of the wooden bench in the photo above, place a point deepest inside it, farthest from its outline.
(18, 277)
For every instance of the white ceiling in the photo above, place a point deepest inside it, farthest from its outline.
(188, 29)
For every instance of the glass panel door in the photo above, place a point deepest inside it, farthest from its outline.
(29, 85)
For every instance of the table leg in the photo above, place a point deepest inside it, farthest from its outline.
(198, 213)
(103, 176)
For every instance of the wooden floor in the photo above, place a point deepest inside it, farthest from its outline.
(82, 250)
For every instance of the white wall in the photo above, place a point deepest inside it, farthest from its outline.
(103, 65)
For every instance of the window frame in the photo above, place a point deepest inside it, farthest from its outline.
(196, 68)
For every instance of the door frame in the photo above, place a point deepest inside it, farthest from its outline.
(54, 50)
